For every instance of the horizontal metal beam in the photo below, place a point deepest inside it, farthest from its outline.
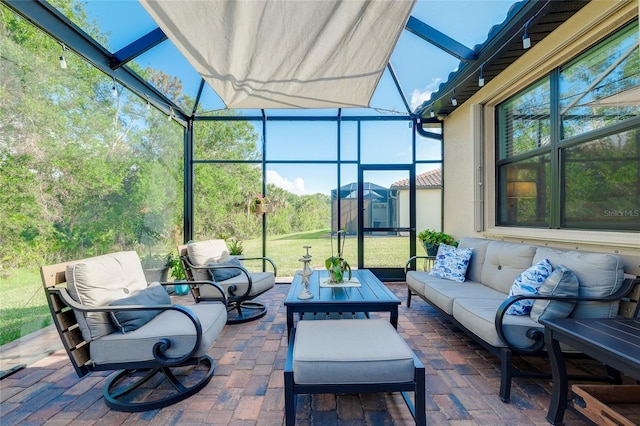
(53, 23)
(304, 118)
(137, 48)
(440, 40)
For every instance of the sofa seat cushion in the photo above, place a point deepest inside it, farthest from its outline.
(137, 345)
(416, 279)
(441, 292)
(98, 281)
(350, 351)
(260, 282)
(599, 274)
(478, 316)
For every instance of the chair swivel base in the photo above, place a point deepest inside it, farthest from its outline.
(246, 311)
(123, 391)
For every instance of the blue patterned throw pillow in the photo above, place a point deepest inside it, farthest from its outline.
(451, 263)
(528, 282)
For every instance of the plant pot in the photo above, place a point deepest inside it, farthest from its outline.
(430, 248)
(262, 208)
(156, 274)
(180, 289)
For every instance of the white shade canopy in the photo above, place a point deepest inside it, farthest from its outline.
(286, 53)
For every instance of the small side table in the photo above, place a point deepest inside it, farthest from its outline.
(612, 341)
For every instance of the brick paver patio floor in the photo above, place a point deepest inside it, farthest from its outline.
(247, 388)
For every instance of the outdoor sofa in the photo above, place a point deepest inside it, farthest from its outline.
(476, 296)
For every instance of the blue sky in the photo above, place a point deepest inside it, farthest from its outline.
(420, 68)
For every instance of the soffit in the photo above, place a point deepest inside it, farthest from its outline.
(502, 48)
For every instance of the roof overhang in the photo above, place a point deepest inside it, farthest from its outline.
(286, 54)
(502, 48)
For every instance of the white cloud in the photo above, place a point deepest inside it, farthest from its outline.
(419, 96)
(296, 186)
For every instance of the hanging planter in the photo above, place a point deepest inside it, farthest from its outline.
(260, 205)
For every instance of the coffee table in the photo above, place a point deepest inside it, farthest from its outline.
(371, 296)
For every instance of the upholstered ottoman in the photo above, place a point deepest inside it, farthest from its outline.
(351, 356)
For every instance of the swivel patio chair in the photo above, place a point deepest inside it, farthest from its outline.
(108, 318)
(210, 260)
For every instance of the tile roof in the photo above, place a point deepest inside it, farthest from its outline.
(430, 179)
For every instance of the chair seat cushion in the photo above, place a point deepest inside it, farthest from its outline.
(350, 351)
(260, 282)
(137, 346)
(128, 321)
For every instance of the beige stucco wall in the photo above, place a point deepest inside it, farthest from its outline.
(428, 212)
(591, 24)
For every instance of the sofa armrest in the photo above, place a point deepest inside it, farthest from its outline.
(413, 260)
(536, 334)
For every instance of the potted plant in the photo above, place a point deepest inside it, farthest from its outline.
(155, 266)
(178, 274)
(261, 204)
(235, 247)
(432, 239)
(336, 265)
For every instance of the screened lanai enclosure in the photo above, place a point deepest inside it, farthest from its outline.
(126, 156)
(143, 125)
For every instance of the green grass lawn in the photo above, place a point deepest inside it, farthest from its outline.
(286, 250)
(23, 307)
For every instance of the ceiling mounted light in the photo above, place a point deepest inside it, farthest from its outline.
(433, 114)
(114, 89)
(454, 100)
(170, 116)
(526, 41)
(481, 76)
(63, 62)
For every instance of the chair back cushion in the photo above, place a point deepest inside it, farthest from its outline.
(100, 280)
(202, 253)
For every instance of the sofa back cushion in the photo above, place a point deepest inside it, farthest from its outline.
(478, 248)
(599, 274)
(100, 280)
(503, 263)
